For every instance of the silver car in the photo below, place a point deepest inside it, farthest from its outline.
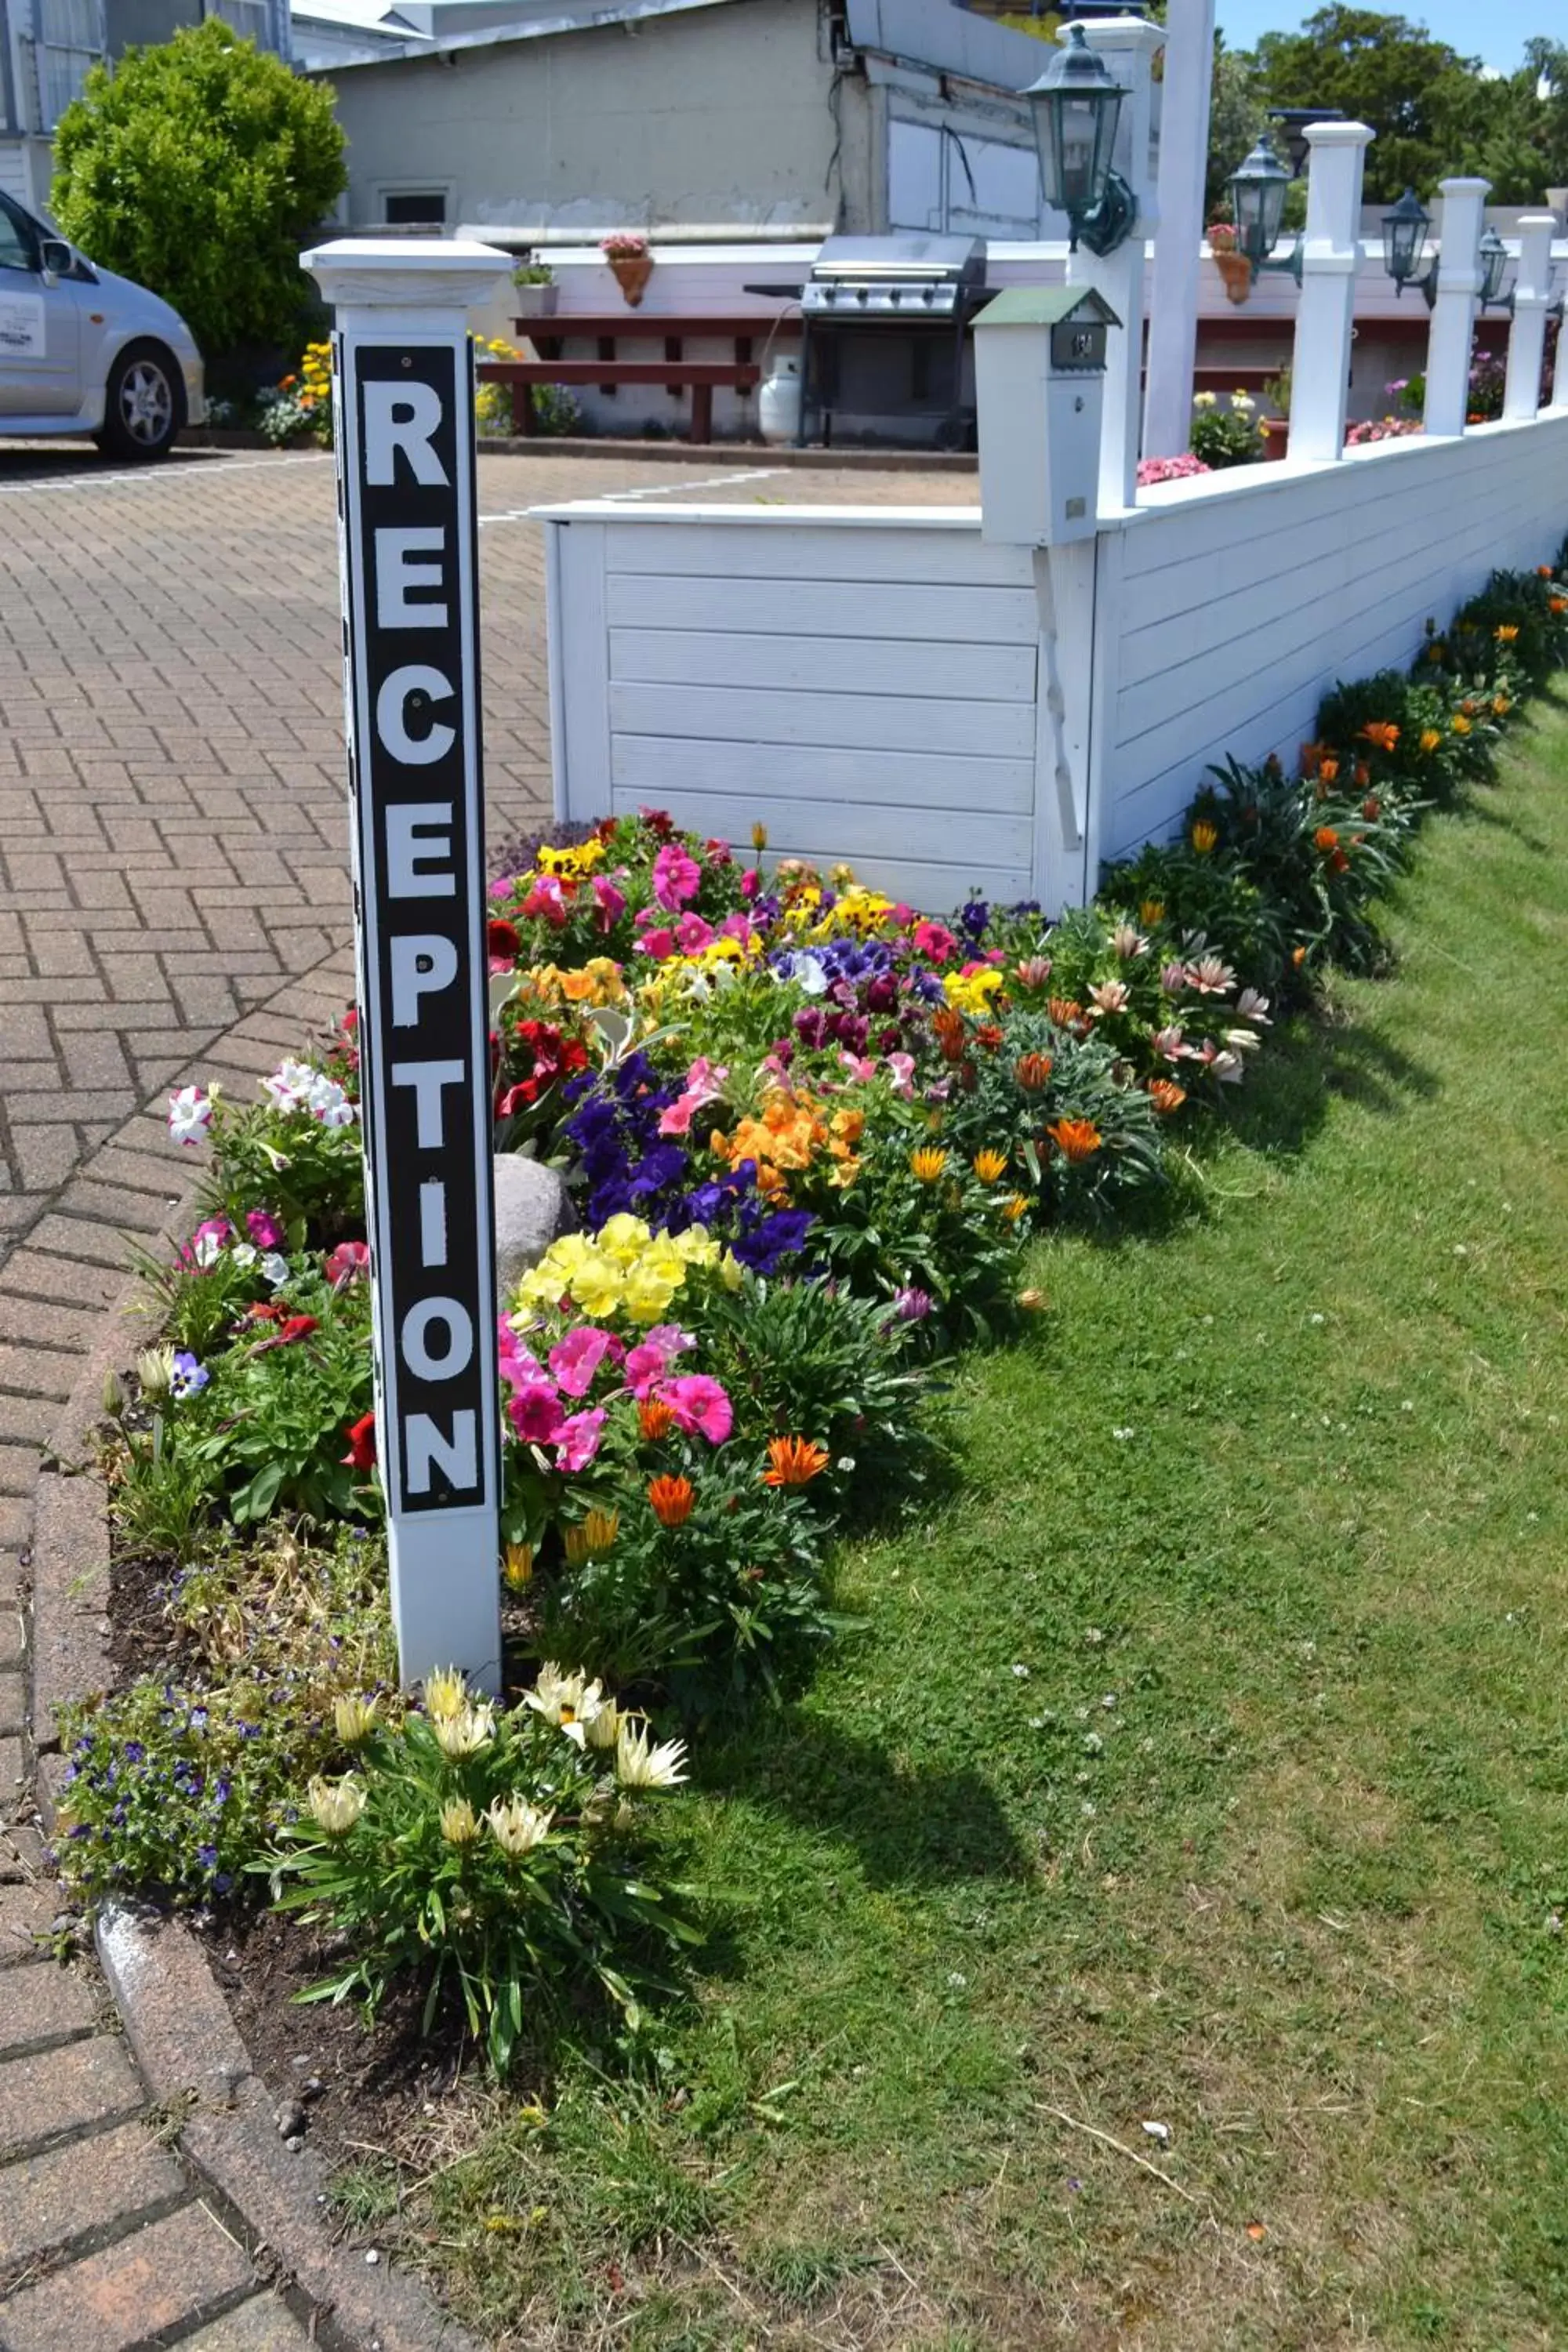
(84, 352)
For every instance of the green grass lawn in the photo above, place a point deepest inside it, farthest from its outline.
(1203, 1766)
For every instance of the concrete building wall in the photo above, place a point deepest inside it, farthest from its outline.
(719, 115)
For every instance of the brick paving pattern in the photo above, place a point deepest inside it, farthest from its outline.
(175, 904)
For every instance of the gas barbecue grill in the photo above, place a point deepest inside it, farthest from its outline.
(883, 321)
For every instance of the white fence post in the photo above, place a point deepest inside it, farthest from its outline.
(1453, 316)
(1128, 47)
(404, 392)
(1178, 248)
(1325, 315)
(1531, 293)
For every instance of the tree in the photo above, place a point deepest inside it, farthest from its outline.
(1413, 90)
(199, 170)
(1235, 118)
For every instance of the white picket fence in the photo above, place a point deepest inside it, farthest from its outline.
(882, 685)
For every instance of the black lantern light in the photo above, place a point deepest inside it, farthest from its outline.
(1077, 108)
(1404, 247)
(1294, 122)
(1492, 256)
(1257, 205)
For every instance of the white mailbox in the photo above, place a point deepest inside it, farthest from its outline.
(1040, 386)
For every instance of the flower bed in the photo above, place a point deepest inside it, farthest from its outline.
(810, 1134)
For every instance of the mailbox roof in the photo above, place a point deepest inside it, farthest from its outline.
(1046, 305)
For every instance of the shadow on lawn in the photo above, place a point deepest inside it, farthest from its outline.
(910, 1824)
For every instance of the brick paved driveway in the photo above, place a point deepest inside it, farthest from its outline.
(172, 837)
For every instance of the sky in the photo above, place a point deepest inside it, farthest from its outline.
(1496, 33)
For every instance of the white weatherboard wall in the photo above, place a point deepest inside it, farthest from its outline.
(861, 683)
(873, 685)
(1234, 612)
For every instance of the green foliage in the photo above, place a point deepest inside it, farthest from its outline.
(724, 1603)
(490, 1858)
(809, 1359)
(1225, 436)
(265, 1431)
(199, 169)
(173, 1785)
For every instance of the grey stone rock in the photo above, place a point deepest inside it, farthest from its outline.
(531, 1208)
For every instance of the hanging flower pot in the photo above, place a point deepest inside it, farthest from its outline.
(1236, 272)
(631, 262)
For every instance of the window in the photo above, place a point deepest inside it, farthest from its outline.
(69, 44)
(16, 242)
(416, 208)
(959, 183)
(249, 18)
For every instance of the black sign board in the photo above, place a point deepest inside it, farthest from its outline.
(406, 476)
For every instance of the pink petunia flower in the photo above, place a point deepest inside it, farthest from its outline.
(751, 882)
(901, 1071)
(704, 1084)
(519, 1365)
(349, 1260)
(578, 1441)
(651, 1358)
(610, 904)
(264, 1228)
(575, 1359)
(933, 940)
(692, 934)
(699, 1405)
(659, 944)
(547, 899)
(535, 1412)
(677, 877)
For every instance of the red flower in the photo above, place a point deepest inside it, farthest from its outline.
(502, 939)
(659, 822)
(554, 1056)
(298, 1327)
(361, 1435)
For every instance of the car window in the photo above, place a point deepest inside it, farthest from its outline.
(16, 244)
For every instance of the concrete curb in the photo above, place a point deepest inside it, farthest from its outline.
(194, 2063)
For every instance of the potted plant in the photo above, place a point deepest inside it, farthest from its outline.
(537, 292)
(1233, 266)
(626, 252)
(1225, 436)
(1275, 429)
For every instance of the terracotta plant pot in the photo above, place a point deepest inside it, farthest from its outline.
(1236, 271)
(1276, 432)
(633, 271)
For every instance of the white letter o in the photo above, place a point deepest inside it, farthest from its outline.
(458, 1328)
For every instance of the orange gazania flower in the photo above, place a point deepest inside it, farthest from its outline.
(1312, 757)
(1297, 957)
(1203, 836)
(1327, 772)
(1033, 1072)
(989, 1036)
(1075, 1139)
(655, 1418)
(1506, 632)
(1557, 605)
(1371, 808)
(1325, 839)
(989, 1165)
(949, 1027)
(928, 1163)
(793, 1461)
(1381, 732)
(1543, 571)
(1502, 706)
(1151, 911)
(1017, 1205)
(1430, 739)
(671, 1499)
(1065, 1011)
(1339, 863)
(1461, 724)
(1167, 1096)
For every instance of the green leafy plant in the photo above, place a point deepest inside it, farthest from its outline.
(200, 168)
(492, 1856)
(1225, 436)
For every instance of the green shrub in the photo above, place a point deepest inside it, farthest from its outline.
(199, 169)
(489, 1854)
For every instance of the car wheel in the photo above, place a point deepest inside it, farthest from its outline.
(143, 408)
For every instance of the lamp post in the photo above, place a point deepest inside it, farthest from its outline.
(1492, 259)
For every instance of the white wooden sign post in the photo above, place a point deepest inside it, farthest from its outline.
(403, 387)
